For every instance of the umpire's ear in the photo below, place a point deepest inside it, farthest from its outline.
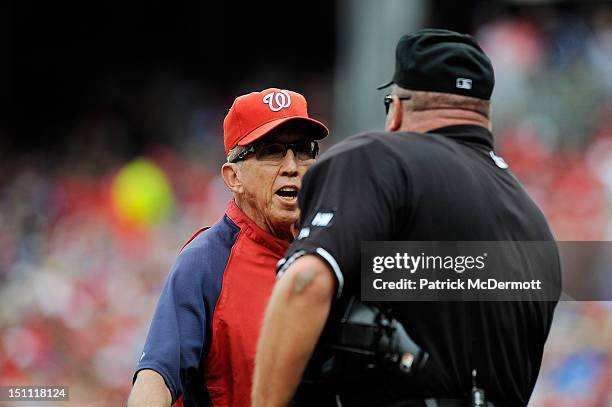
(395, 115)
(231, 176)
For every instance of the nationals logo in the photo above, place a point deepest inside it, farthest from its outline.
(277, 100)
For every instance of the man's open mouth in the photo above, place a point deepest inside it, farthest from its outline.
(288, 192)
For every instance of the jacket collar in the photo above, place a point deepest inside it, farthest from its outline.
(254, 232)
(468, 133)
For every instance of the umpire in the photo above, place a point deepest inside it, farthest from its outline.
(433, 175)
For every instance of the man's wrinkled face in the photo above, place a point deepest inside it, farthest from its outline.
(271, 187)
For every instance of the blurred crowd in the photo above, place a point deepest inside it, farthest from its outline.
(86, 242)
(81, 268)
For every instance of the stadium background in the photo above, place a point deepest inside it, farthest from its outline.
(111, 141)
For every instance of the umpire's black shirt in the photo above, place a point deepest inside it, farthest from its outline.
(449, 185)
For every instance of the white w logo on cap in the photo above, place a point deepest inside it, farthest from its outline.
(277, 100)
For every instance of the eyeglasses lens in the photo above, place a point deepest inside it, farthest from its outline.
(274, 152)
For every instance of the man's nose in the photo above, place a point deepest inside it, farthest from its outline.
(289, 165)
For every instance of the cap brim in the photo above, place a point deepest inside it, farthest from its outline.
(386, 85)
(317, 129)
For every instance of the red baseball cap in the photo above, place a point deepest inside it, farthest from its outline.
(253, 115)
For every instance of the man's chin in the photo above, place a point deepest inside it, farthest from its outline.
(284, 224)
(284, 210)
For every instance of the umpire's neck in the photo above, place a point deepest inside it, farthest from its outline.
(424, 121)
(424, 112)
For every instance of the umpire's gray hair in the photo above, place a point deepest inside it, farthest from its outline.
(421, 101)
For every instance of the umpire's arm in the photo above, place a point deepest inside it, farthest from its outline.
(295, 317)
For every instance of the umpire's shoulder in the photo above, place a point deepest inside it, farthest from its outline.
(354, 145)
(370, 143)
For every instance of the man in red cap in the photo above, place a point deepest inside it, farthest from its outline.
(200, 349)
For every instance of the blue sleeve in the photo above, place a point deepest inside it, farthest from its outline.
(177, 335)
(181, 329)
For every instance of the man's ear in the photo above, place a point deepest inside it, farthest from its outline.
(394, 119)
(231, 176)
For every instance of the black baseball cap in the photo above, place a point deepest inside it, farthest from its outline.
(443, 61)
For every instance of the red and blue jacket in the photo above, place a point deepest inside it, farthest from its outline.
(204, 332)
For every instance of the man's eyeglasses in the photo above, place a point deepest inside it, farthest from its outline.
(388, 100)
(274, 152)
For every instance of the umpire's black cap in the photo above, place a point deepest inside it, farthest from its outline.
(443, 61)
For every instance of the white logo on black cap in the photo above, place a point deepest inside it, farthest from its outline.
(277, 100)
(463, 83)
